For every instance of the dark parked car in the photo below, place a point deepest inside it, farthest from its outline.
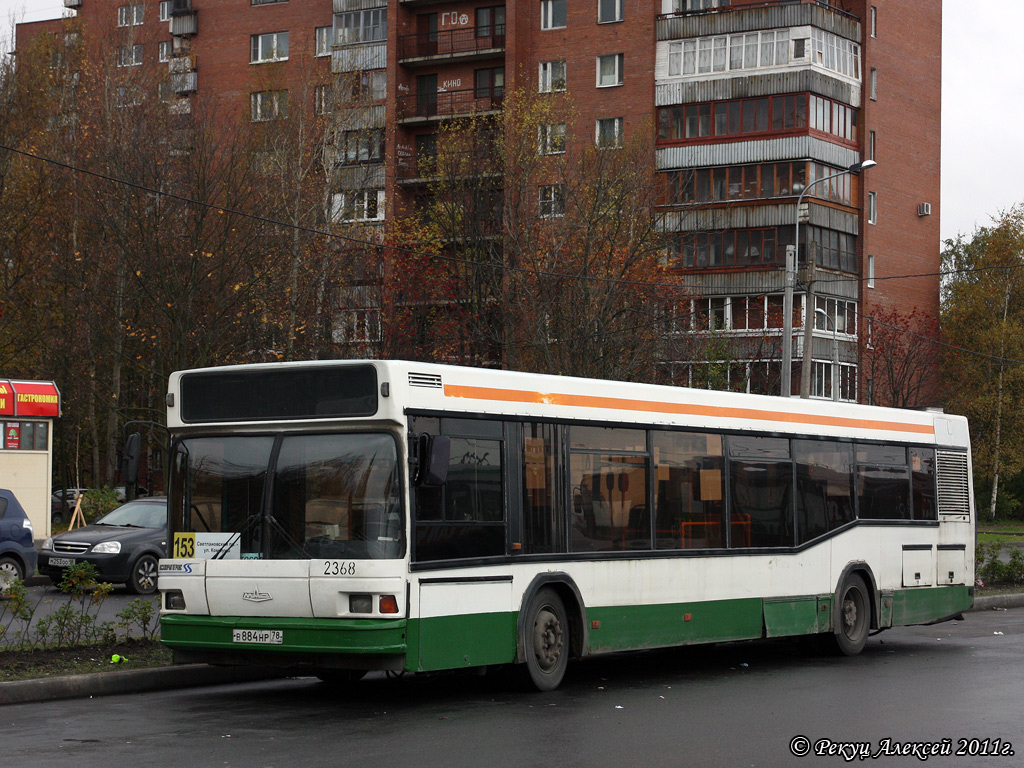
(124, 545)
(17, 555)
(62, 504)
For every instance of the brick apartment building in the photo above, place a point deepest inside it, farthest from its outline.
(751, 102)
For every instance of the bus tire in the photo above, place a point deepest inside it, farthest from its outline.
(546, 641)
(853, 617)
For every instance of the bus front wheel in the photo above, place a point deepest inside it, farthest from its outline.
(853, 620)
(546, 640)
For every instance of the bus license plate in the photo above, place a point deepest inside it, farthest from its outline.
(61, 562)
(263, 636)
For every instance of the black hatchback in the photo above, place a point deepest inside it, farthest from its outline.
(123, 545)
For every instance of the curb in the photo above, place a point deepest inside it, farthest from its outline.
(128, 681)
(995, 602)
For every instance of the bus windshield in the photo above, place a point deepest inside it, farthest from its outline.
(288, 496)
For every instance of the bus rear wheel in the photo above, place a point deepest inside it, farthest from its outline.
(853, 620)
(546, 640)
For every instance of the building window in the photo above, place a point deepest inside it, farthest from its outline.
(609, 70)
(552, 200)
(871, 271)
(269, 105)
(362, 146)
(553, 14)
(757, 182)
(728, 53)
(873, 84)
(130, 15)
(370, 26)
(680, 6)
(835, 53)
(608, 133)
(358, 325)
(322, 100)
(128, 96)
(871, 145)
(767, 114)
(608, 11)
(551, 139)
(490, 22)
(490, 83)
(552, 77)
(129, 55)
(165, 10)
(267, 2)
(841, 314)
(163, 51)
(359, 205)
(872, 208)
(874, 21)
(25, 435)
(271, 46)
(324, 37)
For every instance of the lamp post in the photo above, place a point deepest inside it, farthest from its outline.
(792, 253)
(835, 354)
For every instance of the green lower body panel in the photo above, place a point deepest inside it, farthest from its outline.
(452, 642)
(344, 636)
(623, 628)
(925, 604)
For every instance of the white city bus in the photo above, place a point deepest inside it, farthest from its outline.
(344, 516)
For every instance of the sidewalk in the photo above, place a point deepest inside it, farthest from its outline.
(194, 675)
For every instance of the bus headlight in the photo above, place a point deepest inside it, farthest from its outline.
(360, 604)
(174, 600)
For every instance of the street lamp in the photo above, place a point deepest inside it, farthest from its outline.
(790, 281)
(835, 354)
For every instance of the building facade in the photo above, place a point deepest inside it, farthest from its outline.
(750, 103)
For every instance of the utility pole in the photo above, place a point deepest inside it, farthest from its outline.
(805, 363)
(787, 322)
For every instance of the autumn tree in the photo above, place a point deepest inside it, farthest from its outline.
(900, 356)
(983, 321)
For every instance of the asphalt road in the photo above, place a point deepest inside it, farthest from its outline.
(731, 705)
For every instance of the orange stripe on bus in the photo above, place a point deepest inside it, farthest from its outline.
(725, 412)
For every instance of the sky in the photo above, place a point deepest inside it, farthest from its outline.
(982, 163)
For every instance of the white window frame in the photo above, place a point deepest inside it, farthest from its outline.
(357, 206)
(615, 8)
(874, 21)
(618, 61)
(324, 39)
(547, 14)
(163, 51)
(872, 138)
(365, 26)
(551, 201)
(130, 15)
(268, 105)
(129, 55)
(358, 326)
(551, 139)
(872, 208)
(873, 84)
(616, 124)
(267, 47)
(128, 96)
(165, 10)
(547, 78)
(323, 100)
(871, 271)
(729, 53)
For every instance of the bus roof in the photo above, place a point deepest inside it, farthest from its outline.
(404, 386)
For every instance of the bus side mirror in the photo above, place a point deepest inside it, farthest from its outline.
(132, 454)
(434, 452)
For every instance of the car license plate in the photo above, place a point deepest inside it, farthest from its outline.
(61, 562)
(263, 636)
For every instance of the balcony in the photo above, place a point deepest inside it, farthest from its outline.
(185, 82)
(423, 107)
(467, 44)
(183, 18)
